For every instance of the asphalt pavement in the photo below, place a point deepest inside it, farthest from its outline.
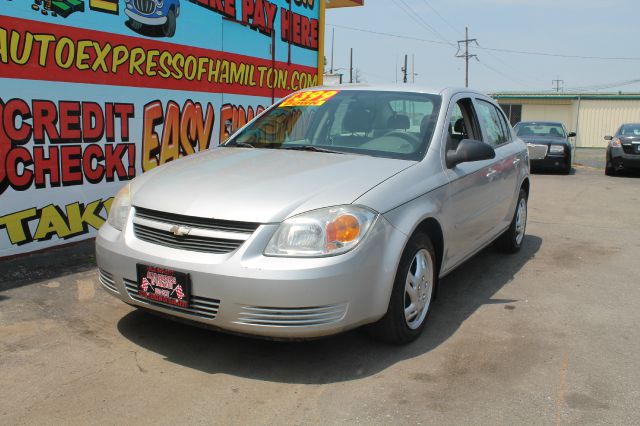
(546, 336)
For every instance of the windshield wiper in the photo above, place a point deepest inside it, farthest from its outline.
(241, 145)
(310, 148)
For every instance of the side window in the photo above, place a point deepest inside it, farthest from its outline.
(493, 130)
(505, 126)
(462, 123)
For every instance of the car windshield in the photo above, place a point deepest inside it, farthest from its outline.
(396, 125)
(546, 130)
(630, 130)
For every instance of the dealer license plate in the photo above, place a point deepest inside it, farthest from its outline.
(164, 285)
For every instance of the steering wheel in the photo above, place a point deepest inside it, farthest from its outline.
(413, 140)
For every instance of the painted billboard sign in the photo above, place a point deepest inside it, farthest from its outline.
(96, 92)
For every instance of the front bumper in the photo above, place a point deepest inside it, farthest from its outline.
(623, 160)
(551, 161)
(246, 292)
(146, 20)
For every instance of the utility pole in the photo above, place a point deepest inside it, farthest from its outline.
(333, 35)
(351, 67)
(557, 83)
(413, 68)
(466, 54)
(404, 70)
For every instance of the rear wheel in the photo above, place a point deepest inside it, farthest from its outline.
(512, 239)
(412, 294)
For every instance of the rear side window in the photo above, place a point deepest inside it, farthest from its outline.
(493, 125)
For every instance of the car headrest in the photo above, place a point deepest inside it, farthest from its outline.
(358, 119)
(427, 124)
(525, 131)
(459, 126)
(554, 132)
(399, 121)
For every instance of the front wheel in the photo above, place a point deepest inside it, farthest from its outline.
(566, 168)
(609, 170)
(512, 239)
(412, 294)
(169, 27)
(135, 25)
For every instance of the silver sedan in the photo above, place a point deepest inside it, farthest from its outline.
(334, 209)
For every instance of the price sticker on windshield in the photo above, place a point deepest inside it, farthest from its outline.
(310, 98)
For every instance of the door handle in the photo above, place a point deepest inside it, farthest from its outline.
(491, 173)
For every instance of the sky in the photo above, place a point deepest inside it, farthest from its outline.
(428, 30)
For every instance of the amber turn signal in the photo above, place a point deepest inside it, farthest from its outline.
(343, 229)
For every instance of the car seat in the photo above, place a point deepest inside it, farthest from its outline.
(398, 122)
(358, 121)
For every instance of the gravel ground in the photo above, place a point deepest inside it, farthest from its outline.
(547, 336)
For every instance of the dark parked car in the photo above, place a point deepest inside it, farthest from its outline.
(623, 149)
(548, 144)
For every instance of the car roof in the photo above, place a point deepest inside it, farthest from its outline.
(411, 88)
(542, 123)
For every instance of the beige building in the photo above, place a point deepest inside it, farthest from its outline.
(591, 116)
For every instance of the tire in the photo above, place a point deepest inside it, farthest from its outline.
(401, 324)
(566, 169)
(609, 170)
(134, 25)
(169, 27)
(511, 240)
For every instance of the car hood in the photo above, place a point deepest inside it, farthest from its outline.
(259, 185)
(545, 141)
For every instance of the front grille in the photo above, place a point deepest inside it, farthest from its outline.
(291, 317)
(107, 281)
(537, 152)
(187, 242)
(202, 307)
(145, 6)
(630, 149)
(196, 222)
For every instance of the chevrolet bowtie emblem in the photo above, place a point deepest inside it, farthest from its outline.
(180, 231)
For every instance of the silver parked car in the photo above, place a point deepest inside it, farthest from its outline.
(332, 210)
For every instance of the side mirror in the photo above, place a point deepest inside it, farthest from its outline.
(608, 138)
(571, 135)
(469, 150)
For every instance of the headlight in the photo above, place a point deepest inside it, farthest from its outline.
(120, 209)
(615, 143)
(325, 232)
(556, 149)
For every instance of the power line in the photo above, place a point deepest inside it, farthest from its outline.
(522, 52)
(418, 19)
(501, 74)
(597, 87)
(424, 40)
(494, 56)
(457, 31)
(559, 55)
